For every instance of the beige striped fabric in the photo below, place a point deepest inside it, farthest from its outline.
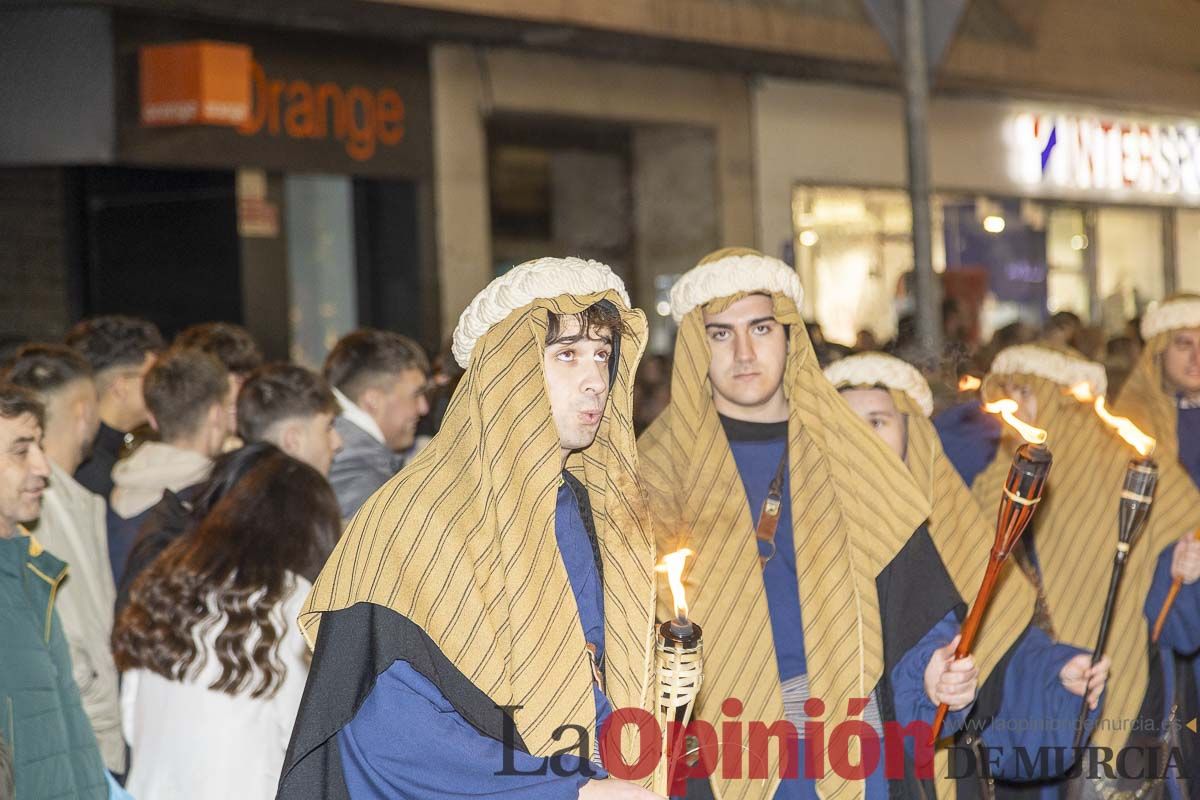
(964, 533)
(462, 541)
(853, 508)
(963, 536)
(1145, 397)
(1076, 527)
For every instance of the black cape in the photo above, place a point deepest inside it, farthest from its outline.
(354, 646)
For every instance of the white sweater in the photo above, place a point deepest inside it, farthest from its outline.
(189, 742)
(72, 527)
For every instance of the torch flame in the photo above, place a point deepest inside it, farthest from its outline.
(969, 383)
(1082, 392)
(1007, 408)
(673, 566)
(1128, 431)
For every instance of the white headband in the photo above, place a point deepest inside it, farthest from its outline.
(726, 276)
(1052, 365)
(868, 369)
(1171, 316)
(542, 278)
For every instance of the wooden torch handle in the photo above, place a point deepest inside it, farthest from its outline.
(1166, 609)
(970, 628)
(1170, 601)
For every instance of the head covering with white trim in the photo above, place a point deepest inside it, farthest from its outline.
(1075, 527)
(959, 527)
(461, 542)
(1147, 398)
(855, 503)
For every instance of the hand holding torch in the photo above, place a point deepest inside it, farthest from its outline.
(1022, 492)
(1176, 585)
(1137, 494)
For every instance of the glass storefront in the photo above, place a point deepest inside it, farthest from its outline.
(1004, 259)
(1187, 250)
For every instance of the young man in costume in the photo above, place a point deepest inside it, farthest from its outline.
(812, 574)
(1069, 548)
(1026, 677)
(1162, 396)
(491, 604)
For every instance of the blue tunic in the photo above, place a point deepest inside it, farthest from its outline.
(1188, 428)
(1188, 432)
(1036, 710)
(1182, 631)
(969, 436)
(757, 450)
(407, 740)
(1180, 638)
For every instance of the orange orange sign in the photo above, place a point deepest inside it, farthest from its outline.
(198, 82)
(359, 117)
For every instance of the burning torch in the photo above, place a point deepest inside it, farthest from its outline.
(1137, 494)
(1022, 493)
(679, 657)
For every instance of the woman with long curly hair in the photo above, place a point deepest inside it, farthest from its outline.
(213, 664)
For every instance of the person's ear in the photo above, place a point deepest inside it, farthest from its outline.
(119, 386)
(153, 422)
(371, 400)
(217, 415)
(289, 437)
(79, 410)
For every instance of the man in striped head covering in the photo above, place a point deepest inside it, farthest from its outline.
(801, 523)
(1031, 685)
(1070, 545)
(492, 604)
(1162, 395)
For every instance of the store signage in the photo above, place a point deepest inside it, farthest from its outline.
(194, 83)
(358, 117)
(1082, 153)
(216, 83)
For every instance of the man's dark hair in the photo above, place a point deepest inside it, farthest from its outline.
(367, 355)
(46, 368)
(597, 316)
(232, 345)
(114, 341)
(278, 392)
(16, 401)
(180, 389)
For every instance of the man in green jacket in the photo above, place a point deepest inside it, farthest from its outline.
(54, 752)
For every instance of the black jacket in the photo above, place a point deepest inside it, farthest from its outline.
(167, 520)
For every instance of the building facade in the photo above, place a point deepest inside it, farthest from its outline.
(388, 157)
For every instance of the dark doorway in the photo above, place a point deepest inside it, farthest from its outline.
(161, 244)
(561, 186)
(397, 290)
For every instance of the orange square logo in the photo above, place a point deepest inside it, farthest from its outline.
(195, 83)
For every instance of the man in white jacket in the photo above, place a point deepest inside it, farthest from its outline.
(188, 397)
(71, 526)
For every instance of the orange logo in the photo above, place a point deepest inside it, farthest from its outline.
(360, 118)
(194, 83)
(216, 83)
